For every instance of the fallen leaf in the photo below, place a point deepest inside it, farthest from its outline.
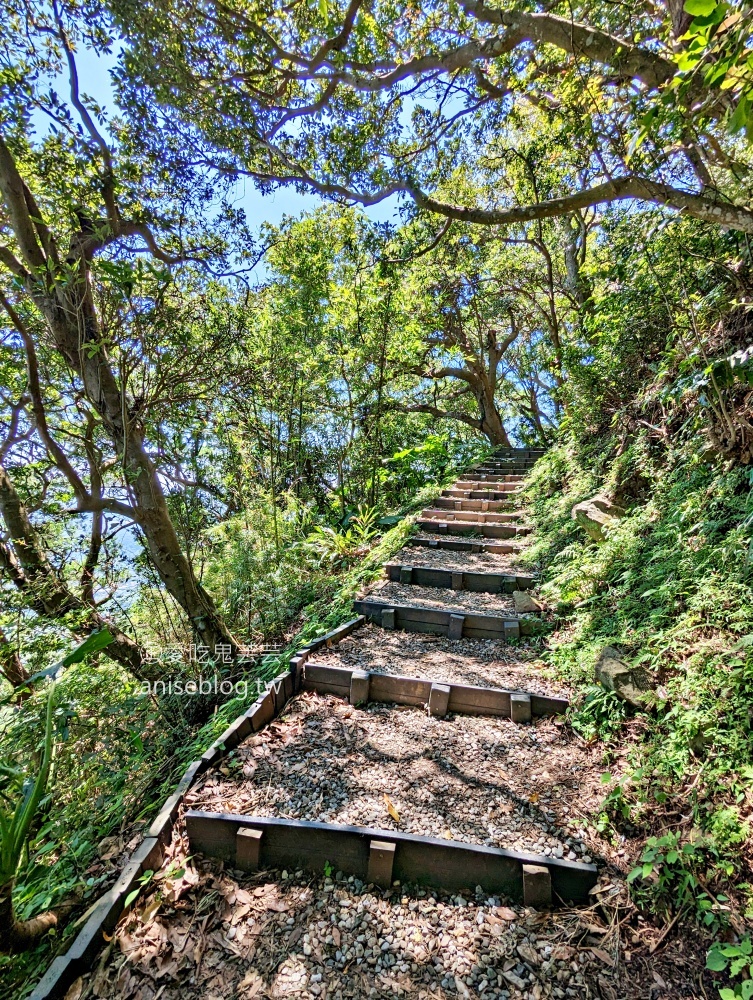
(592, 928)
(149, 912)
(251, 984)
(278, 905)
(660, 981)
(391, 808)
(336, 936)
(74, 992)
(603, 956)
(562, 952)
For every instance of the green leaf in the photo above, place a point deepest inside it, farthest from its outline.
(715, 960)
(95, 642)
(737, 966)
(130, 897)
(746, 990)
(727, 994)
(699, 8)
(738, 119)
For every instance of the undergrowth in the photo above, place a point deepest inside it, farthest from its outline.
(125, 751)
(672, 587)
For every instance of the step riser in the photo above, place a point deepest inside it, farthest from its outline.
(442, 864)
(478, 485)
(478, 583)
(470, 516)
(449, 503)
(452, 624)
(458, 545)
(535, 453)
(464, 699)
(460, 528)
(492, 477)
(506, 498)
(513, 468)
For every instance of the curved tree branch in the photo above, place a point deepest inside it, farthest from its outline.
(620, 189)
(632, 62)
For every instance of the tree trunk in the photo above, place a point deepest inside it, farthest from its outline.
(25, 563)
(491, 422)
(11, 665)
(19, 935)
(151, 512)
(61, 290)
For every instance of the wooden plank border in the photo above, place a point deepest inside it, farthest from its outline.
(107, 910)
(442, 864)
(479, 583)
(470, 517)
(460, 493)
(448, 527)
(435, 622)
(460, 545)
(464, 699)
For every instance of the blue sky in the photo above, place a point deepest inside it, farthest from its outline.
(94, 80)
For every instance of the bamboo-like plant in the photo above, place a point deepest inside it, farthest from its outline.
(20, 796)
(15, 824)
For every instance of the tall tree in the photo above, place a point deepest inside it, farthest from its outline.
(76, 209)
(334, 99)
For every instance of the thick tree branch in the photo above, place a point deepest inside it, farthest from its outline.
(630, 61)
(56, 453)
(620, 189)
(14, 192)
(25, 562)
(435, 411)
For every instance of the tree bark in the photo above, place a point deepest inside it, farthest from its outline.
(491, 421)
(61, 290)
(19, 935)
(24, 561)
(11, 664)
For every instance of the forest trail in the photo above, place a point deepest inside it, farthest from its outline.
(445, 614)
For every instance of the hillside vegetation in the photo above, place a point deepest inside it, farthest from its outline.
(271, 276)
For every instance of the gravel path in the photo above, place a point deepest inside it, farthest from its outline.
(441, 598)
(517, 544)
(475, 780)
(470, 562)
(482, 662)
(204, 933)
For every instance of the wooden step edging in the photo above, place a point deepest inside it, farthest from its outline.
(448, 527)
(470, 517)
(482, 483)
(389, 856)
(459, 545)
(478, 583)
(493, 496)
(469, 504)
(455, 623)
(359, 687)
